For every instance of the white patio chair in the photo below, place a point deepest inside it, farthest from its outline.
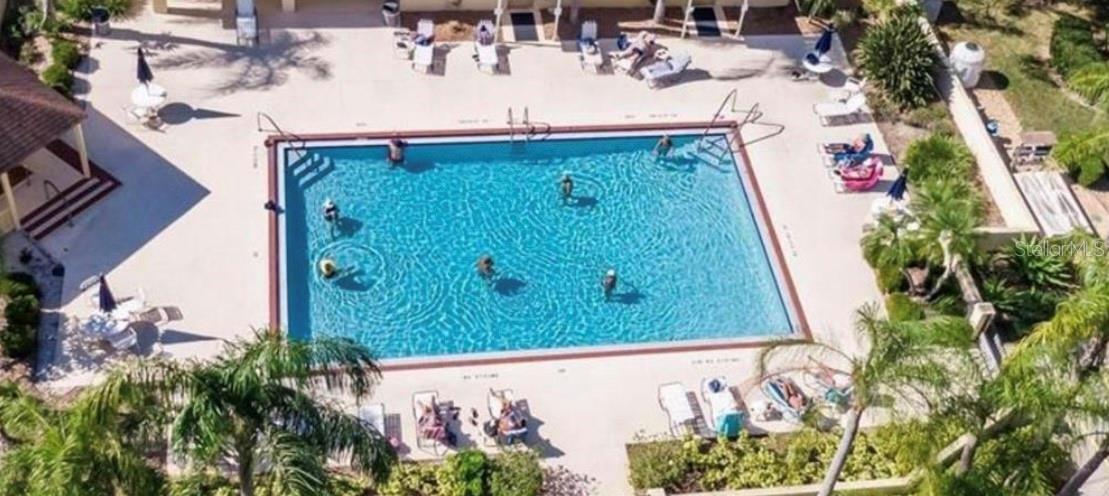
(423, 58)
(852, 108)
(246, 28)
(674, 399)
(592, 57)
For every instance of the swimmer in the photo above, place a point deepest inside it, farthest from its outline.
(608, 283)
(330, 211)
(567, 186)
(663, 146)
(328, 268)
(485, 267)
(396, 150)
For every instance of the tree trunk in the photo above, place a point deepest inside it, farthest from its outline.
(1086, 470)
(828, 486)
(246, 473)
(966, 458)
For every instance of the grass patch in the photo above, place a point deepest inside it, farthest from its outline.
(1020, 54)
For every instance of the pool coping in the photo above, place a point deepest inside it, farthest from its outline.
(802, 332)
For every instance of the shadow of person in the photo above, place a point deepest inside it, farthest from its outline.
(347, 226)
(509, 286)
(677, 164)
(416, 166)
(352, 280)
(628, 297)
(582, 202)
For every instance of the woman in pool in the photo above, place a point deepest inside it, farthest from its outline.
(330, 211)
(662, 148)
(608, 283)
(567, 187)
(485, 267)
(328, 268)
(396, 150)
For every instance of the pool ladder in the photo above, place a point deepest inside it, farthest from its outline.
(525, 127)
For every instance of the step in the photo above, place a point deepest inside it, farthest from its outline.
(76, 205)
(49, 209)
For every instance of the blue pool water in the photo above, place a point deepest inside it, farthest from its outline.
(679, 231)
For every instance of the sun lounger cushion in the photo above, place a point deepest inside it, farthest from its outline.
(675, 399)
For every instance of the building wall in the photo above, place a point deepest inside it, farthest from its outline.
(489, 5)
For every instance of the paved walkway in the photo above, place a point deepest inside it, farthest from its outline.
(188, 226)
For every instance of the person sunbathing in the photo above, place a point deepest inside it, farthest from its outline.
(855, 146)
(794, 396)
(484, 35)
(638, 51)
(856, 172)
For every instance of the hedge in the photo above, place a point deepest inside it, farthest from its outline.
(65, 53)
(57, 76)
(1073, 45)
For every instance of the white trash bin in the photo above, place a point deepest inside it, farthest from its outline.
(968, 60)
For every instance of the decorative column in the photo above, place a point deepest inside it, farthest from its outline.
(82, 151)
(11, 200)
(660, 11)
(497, 14)
(289, 5)
(246, 7)
(742, 16)
(557, 16)
(688, 14)
(160, 6)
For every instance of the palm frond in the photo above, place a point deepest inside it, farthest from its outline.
(1092, 82)
(294, 467)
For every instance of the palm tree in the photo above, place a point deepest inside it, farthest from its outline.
(72, 450)
(1092, 82)
(908, 361)
(949, 210)
(254, 407)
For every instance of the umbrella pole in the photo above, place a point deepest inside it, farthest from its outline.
(742, 16)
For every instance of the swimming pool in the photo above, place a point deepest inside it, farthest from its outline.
(680, 231)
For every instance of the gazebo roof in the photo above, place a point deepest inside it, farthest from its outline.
(31, 113)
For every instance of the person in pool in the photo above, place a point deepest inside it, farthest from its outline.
(328, 268)
(608, 283)
(485, 267)
(396, 150)
(662, 148)
(330, 211)
(567, 187)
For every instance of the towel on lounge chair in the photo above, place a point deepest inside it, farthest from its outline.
(666, 70)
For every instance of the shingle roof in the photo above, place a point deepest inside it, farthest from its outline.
(31, 113)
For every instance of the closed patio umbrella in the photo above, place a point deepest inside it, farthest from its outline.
(897, 189)
(824, 43)
(107, 301)
(144, 73)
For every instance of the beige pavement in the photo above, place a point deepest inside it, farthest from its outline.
(188, 227)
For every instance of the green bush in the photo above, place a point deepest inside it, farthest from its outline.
(656, 464)
(412, 479)
(81, 9)
(19, 284)
(1073, 45)
(57, 76)
(901, 308)
(65, 53)
(515, 474)
(464, 474)
(1085, 155)
(937, 156)
(898, 58)
(22, 310)
(933, 117)
(18, 341)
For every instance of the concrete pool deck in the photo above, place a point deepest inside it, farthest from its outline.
(187, 225)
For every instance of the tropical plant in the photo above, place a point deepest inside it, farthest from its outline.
(515, 473)
(79, 449)
(1073, 45)
(1085, 155)
(949, 211)
(1092, 82)
(899, 58)
(915, 362)
(938, 156)
(255, 406)
(1034, 262)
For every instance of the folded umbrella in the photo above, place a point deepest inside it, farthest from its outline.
(145, 75)
(107, 301)
(897, 189)
(824, 44)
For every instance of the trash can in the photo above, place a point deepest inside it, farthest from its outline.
(100, 18)
(967, 60)
(390, 12)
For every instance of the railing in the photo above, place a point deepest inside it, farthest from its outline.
(295, 141)
(47, 185)
(528, 130)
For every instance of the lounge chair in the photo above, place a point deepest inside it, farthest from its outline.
(374, 415)
(485, 47)
(423, 48)
(681, 410)
(431, 433)
(851, 108)
(628, 59)
(858, 178)
(155, 315)
(246, 28)
(495, 402)
(664, 72)
(592, 57)
(726, 408)
(775, 389)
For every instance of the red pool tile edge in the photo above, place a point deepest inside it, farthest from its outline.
(794, 302)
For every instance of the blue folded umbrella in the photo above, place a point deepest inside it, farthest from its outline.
(824, 43)
(897, 190)
(144, 74)
(107, 300)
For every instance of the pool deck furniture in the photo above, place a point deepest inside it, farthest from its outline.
(443, 410)
(485, 50)
(851, 109)
(816, 65)
(857, 178)
(726, 402)
(666, 70)
(592, 57)
(681, 409)
(495, 405)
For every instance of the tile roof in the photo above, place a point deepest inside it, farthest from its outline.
(31, 113)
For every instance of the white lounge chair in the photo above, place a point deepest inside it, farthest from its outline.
(496, 404)
(853, 107)
(374, 415)
(485, 47)
(726, 408)
(592, 57)
(677, 402)
(423, 58)
(430, 399)
(664, 72)
(246, 28)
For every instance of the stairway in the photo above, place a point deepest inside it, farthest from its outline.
(66, 205)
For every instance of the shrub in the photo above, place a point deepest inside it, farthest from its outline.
(1032, 263)
(901, 308)
(19, 284)
(515, 474)
(22, 310)
(1085, 155)
(937, 156)
(18, 341)
(656, 464)
(57, 76)
(898, 57)
(1092, 82)
(933, 117)
(1073, 45)
(81, 9)
(890, 279)
(65, 53)
(817, 8)
(412, 479)
(463, 474)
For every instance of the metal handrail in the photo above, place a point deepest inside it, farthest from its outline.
(511, 127)
(303, 144)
